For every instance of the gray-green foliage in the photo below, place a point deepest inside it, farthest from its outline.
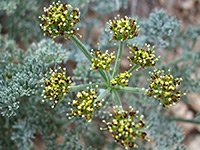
(9, 6)
(48, 52)
(22, 76)
(160, 28)
(23, 115)
(83, 74)
(21, 19)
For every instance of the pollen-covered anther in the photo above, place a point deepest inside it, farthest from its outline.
(164, 88)
(86, 104)
(60, 19)
(56, 85)
(126, 127)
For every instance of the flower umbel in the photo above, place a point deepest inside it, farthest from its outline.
(56, 85)
(123, 28)
(126, 128)
(102, 60)
(85, 105)
(164, 88)
(121, 79)
(144, 56)
(60, 19)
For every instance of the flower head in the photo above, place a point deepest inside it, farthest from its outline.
(164, 88)
(60, 19)
(123, 28)
(86, 104)
(121, 79)
(126, 127)
(102, 60)
(56, 85)
(144, 56)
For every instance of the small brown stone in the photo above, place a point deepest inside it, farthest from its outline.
(187, 5)
(194, 101)
(181, 110)
(194, 143)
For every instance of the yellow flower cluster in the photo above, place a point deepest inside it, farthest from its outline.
(164, 88)
(60, 19)
(102, 61)
(123, 28)
(85, 105)
(121, 79)
(126, 128)
(144, 56)
(56, 85)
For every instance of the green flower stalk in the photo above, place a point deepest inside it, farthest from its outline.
(127, 128)
(121, 79)
(85, 105)
(60, 19)
(123, 28)
(144, 56)
(164, 88)
(102, 60)
(56, 85)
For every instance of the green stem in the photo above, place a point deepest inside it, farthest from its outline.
(130, 89)
(133, 68)
(83, 86)
(193, 44)
(86, 53)
(81, 47)
(117, 100)
(184, 120)
(175, 61)
(104, 94)
(117, 62)
(89, 30)
(108, 77)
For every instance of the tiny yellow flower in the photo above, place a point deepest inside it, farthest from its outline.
(56, 85)
(164, 88)
(144, 56)
(123, 28)
(60, 19)
(121, 79)
(102, 60)
(127, 128)
(85, 105)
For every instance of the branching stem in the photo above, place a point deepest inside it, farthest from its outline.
(83, 86)
(104, 94)
(133, 68)
(108, 77)
(117, 100)
(117, 62)
(130, 89)
(86, 53)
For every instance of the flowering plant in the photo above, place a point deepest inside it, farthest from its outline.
(60, 19)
